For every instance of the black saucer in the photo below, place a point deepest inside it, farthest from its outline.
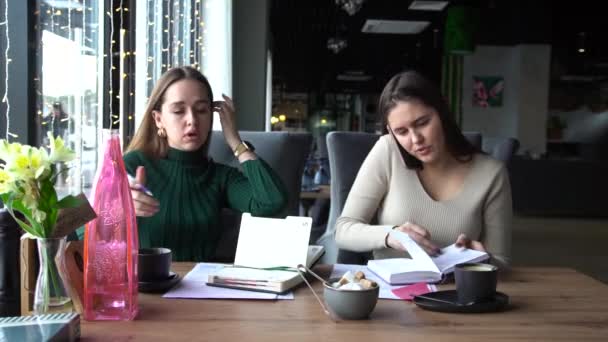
(498, 303)
(159, 286)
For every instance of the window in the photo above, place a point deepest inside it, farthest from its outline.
(182, 32)
(68, 84)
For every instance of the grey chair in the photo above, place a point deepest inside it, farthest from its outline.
(505, 149)
(285, 152)
(474, 138)
(347, 151)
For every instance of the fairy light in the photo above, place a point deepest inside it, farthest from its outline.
(7, 61)
(111, 56)
(176, 31)
(121, 65)
(166, 48)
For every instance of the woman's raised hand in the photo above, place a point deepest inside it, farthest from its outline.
(145, 205)
(225, 110)
(418, 234)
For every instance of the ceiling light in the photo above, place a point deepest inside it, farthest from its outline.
(394, 26)
(581, 42)
(350, 6)
(353, 77)
(336, 44)
(418, 5)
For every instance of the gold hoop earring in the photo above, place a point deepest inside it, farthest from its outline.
(161, 133)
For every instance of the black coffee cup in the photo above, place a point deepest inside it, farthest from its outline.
(153, 264)
(475, 282)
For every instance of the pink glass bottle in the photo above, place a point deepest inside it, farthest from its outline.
(111, 243)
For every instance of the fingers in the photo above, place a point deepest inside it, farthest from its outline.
(478, 246)
(463, 241)
(223, 106)
(143, 204)
(140, 175)
(421, 236)
(426, 244)
(416, 228)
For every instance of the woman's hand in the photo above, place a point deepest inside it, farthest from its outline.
(464, 241)
(145, 205)
(225, 109)
(418, 234)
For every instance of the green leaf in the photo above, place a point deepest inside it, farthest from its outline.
(69, 201)
(34, 228)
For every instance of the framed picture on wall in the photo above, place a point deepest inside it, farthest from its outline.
(488, 91)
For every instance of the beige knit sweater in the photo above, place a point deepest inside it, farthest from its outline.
(384, 185)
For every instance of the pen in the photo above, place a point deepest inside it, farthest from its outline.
(141, 187)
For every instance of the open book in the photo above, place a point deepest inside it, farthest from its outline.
(421, 267)
(267, 253)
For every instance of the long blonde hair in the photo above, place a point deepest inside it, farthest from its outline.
(146, 138)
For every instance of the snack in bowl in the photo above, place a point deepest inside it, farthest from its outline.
(352, 296)
(357, 281)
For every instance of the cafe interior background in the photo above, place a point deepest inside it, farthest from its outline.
(73, 67)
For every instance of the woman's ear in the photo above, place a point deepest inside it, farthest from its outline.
(156, 115)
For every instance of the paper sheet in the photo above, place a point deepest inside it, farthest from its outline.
(260, 234)
(193, 285)
(423, 260)
(452, 255)
(409, 291)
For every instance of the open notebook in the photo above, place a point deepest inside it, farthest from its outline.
(267, 253)
(421, 267)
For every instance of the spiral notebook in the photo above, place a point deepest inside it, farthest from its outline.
(267, 253)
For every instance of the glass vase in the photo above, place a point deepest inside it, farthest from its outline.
(111, 243)
(51, 295)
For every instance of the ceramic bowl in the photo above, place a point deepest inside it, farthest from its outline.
(350, 304)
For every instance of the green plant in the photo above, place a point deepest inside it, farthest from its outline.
(27, 178)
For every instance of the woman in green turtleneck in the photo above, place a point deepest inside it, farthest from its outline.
(187, 190)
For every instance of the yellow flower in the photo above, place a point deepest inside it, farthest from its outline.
(39, 161)
(9, 149)
(30, 195)
(5, 182)
(31, 163)
(59, 153)
(38, 215)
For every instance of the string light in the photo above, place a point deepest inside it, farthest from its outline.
(7, 61)
(111, 56)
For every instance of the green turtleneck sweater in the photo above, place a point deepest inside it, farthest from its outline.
(192, 190)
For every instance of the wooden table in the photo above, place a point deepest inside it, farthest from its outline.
(324, 192)
(556, 304)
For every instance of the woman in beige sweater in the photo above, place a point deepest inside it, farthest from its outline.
(424, 178)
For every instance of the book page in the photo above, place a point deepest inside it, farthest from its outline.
(451, 256)
(270, 242)
(421, 259)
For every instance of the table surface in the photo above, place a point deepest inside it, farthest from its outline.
(546, 304)
(324, 192)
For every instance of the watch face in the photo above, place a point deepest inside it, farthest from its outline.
(242, 147)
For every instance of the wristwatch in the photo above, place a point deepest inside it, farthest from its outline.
(243, 147)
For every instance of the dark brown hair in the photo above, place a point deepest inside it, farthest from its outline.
(146, 138)
(410, 86)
